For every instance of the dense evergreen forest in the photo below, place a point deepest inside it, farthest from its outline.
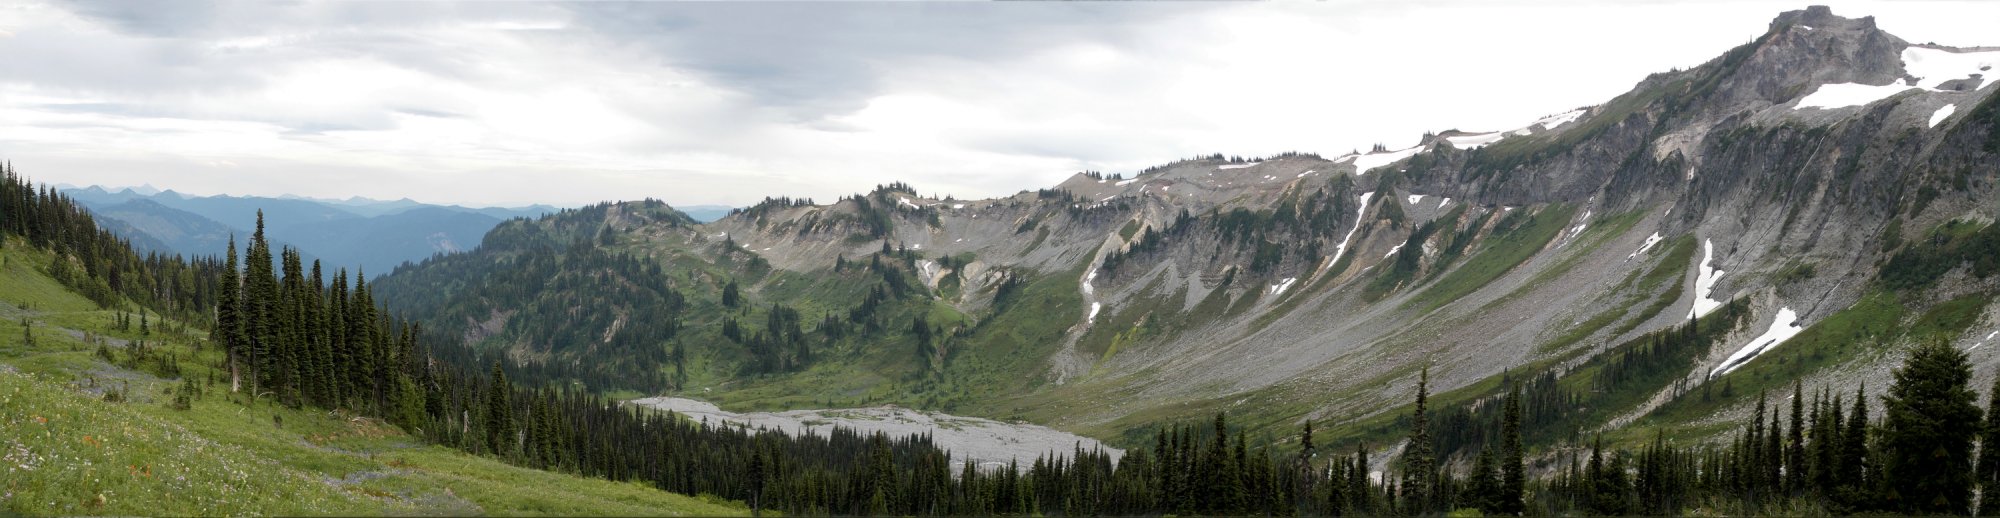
(298, 336)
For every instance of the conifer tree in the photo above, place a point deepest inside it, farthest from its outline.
(499, 414)
(1853, 466)
(1359, 500)
(260, 293)
(1513, 467)
(1420, 464)
(228, 331)
(1930, 419)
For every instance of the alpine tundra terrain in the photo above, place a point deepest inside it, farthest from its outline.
(1807, 206)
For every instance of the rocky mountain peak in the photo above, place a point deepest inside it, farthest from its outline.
(1807, 48)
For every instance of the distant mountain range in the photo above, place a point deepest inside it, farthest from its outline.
(371, 235)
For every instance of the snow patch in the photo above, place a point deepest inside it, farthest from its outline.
(1474, 141)
(1087, 279)
(1942, 113)
(1414, 198)
(1650, 241)
(1842, 95)
(1783, 328)
(1553, 121)
(956, 206)
(1704, 284)
(1303, 175)
(1126, 182)
(1444, 202)
(1580, 226)
(906, 203)
(1363, 163)
(1935, 67)
(1094, 308)
(1281, 286)
(1932, 68)
(1392, 251)
(1238, 166)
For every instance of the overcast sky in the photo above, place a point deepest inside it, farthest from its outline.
(725, 103)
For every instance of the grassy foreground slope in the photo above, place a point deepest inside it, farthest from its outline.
(82, 435)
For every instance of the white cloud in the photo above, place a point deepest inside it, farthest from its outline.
(698, 104)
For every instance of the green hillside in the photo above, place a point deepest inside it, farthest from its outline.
(87, 435)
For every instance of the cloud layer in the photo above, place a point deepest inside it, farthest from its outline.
(696, 103)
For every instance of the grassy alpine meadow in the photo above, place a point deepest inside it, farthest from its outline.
(83, 434)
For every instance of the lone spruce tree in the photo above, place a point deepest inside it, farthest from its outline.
(1513, 469)
(1420, 464)
(1930, 420)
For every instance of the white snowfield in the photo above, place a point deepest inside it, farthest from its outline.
(990, 443)
(1783, 328)
(1704, 284)
(1363, 163)
(1931, 67)
(1392, 251)
(1238, 166)
(1475, 141)
(1414, 198)
(1842, 95)
(1554, 121)
(906, 203)
(1094, 308)
(1650, 241)
(1444, 202)
(1281, 286)
(1942, 113)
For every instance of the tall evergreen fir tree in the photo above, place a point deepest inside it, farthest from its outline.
(499, 414)
(341, 389)
(1513, 466)
(1360, 501)
(363, 337)
(1930, 419)
(1420, 464)
(228, 331)
(1855, 475)
(260, 305)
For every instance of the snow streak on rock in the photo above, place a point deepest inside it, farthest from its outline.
(1783, 328)
(1358, 215)
(1650, 241)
